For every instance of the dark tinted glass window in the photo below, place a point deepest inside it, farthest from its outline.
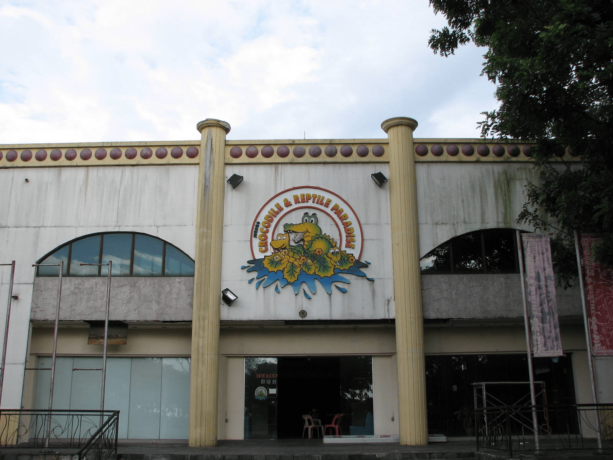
(177, 263)
(58, 256)
(357, 393)
(85, 251)
(450, 389)
(148, 256)
(117, 247)
(437, 261)
(484, 251)
(500, 251)
(467, 253)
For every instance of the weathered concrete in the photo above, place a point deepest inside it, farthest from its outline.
(456, 198)
(132, 299)
(43, 208)
(170, 299)
(364, 299)
(484, 297)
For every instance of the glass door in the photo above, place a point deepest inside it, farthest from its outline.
(261, 398)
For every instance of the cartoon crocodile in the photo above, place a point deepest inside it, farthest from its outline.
(320, 245)
(340, 259)
(304, 231)
(334, 255)
(281, 242)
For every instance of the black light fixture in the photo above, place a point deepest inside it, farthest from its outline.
(15, 297)
(379, 178)
(235, 180)
(228, 296)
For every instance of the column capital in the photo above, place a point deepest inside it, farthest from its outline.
(215, 123)
(398, 121)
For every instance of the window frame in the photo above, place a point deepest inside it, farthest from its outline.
(100, 253)
(484, 271)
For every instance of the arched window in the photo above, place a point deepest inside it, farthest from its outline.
(483, 251)
(133, 254)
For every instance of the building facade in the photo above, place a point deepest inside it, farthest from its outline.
(383, 301)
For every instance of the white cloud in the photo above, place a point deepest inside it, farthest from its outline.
(147, 70)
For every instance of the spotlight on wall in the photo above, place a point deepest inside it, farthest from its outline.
(379, 178)
(235, 180)
(228, 297)
(15, 297)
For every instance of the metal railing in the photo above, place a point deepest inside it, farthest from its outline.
(92, 434)
(560, 427)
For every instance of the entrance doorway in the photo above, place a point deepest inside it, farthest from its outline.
(279, 391)
(307, 385)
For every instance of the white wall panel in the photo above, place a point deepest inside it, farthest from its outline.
(57, 205)
(385, 395)
(456, 198)
(364, 299)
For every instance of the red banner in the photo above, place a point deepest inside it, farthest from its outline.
(543, 310)
(599, 293)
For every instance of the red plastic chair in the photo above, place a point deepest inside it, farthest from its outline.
(335, 425)
(309, 424)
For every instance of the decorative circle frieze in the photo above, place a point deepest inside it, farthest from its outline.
(100, 154)
(41, 155)
(26, 155)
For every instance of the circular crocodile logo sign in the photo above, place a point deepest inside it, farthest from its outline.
(261, 393)
(310, 217)
(303, 235)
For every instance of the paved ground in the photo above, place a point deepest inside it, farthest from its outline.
(300, 450)
(316, 450)
(293, 447)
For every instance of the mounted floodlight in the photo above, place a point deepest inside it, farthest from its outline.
(15, 297)
(227, 295)
(235, 180)
(379, 178)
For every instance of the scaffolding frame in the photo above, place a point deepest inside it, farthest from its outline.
(525, 401)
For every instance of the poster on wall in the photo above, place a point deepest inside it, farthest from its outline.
(599, 290)
(306, 236)
(542, 306)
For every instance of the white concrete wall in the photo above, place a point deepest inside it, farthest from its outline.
(456, 198)
(603, 369)
(385, 395)
(56, 205)
(364, 299)
(232, 398)
(489, 339)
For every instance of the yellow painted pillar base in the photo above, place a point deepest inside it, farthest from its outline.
(407, 282)
(207, 285)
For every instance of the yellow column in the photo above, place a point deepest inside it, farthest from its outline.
(407, 282)
(207, 284)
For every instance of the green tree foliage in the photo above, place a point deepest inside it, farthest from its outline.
(552, 62)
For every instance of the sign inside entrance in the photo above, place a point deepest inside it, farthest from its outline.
(306, 234)
(261, 393)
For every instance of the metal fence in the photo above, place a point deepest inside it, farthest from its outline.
(559, 427)
(92, 434)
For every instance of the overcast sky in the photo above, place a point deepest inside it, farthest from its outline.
(132, 70)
